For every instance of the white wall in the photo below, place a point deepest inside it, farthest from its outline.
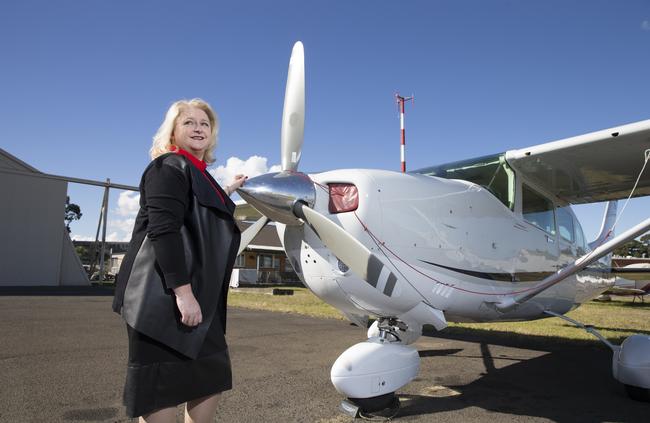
(35, 248)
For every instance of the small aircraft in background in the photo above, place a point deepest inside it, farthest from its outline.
(487, 239)
(633, 280)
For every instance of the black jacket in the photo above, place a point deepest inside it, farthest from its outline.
(183, 233)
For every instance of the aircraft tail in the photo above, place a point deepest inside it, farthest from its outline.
(607, 227)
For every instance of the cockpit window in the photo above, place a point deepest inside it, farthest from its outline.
(491, 172)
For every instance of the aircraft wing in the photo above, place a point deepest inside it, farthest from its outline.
(594, 167)
(632, 273)
(617, 290)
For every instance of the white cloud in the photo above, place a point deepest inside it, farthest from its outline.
(645, 25)
(118, 237)
(122, 218)
(251, 167)
(120, 229)
(128, 203)
(77, 237)
(122, 225)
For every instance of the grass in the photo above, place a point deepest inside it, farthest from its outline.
(616, 320)
(302, 302)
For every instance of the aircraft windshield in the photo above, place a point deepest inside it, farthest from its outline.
(491, 172)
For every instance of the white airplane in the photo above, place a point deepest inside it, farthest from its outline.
(481, 240)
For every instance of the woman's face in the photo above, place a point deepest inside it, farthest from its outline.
(192, 131)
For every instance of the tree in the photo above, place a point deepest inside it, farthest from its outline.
(83, 253)
(72, 212)
(632, 248)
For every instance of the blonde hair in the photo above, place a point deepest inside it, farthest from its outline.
(162, 141)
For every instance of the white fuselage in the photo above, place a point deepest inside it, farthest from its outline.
(452, 243)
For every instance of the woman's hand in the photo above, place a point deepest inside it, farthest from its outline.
(236, 183)
(188, 306)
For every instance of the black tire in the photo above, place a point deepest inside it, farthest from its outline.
(375, 404)
(638, 393)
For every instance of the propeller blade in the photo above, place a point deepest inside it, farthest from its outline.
(347, 248)
(250, 233)
(293, 115)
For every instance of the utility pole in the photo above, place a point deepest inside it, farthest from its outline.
(105, 215)
(400, 101)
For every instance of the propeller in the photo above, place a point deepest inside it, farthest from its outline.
(289, 195)
(344, 246)
(370, 268)
(251, 232)
(293, 115)
(291, 135)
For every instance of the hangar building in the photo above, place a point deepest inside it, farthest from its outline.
(36, 248)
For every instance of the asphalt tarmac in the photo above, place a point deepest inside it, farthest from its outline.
(62, 358)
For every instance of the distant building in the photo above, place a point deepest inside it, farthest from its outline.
(115, 263)
(114, 249)
(112, 246)
(36, 248)
(626, 261)
(263, 260)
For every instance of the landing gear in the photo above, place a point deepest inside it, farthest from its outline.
(630, 361)
(375, 408)
(631, 366)
(370, 372)
(395, 330)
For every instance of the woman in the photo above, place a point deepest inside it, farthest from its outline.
(173, 283)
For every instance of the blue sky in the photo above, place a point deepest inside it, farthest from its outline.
(84, 84)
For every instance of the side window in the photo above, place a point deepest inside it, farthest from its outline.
(537, 209)
(565, 224)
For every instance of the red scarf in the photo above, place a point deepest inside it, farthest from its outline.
(199, 164)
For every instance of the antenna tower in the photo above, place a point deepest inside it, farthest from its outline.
(400, 101)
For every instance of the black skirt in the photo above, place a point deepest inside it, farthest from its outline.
(160, 377)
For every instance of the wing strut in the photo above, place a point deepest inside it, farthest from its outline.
(512, 302)
(609, 222)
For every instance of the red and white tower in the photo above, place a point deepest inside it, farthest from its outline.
(400, 101)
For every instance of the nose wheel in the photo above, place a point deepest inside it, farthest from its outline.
(369, 373)
(383, 407)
